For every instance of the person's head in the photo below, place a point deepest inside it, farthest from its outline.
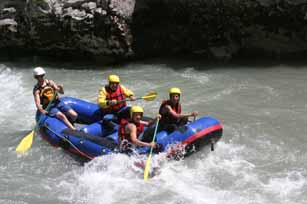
(114, 80)
(136, 113)
(39, 73)
(174, 94)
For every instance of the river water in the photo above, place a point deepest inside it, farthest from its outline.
(261, 157)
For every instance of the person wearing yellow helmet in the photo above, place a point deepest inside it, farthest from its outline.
(130, 130)
(170, 111)
(45, 92)
(111, 98)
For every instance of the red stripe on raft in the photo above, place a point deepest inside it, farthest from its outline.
(202, 133)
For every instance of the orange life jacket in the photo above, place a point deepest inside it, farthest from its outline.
(46, 94)
(167, 118)
(122, 135)
(115, 95)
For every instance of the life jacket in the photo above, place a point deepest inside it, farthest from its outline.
(122, 135)
(46, 94)
(115, 95)
(167, 118)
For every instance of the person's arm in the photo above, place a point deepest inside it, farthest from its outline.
(38, 102)
(128, 93)
(178, 116)
(58, 87)
(102, 102)
(132, 131)
(151, 122)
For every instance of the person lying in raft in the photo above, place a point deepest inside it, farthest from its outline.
(111, 98)
(47, 100)
(130, 130)
(170, 110)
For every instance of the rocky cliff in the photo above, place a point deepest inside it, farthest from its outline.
(112, 30)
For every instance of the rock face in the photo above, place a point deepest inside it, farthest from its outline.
(112, 30)
(221, 29)
(67, 28)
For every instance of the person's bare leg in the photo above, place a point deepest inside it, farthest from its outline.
(72, 115)
(62, 117)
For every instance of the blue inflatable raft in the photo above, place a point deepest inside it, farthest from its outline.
(99, 137)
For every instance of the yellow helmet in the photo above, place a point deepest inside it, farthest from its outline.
(174, 90)
(136, 109)
(113, 78)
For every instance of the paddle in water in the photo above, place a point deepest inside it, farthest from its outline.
(27, 141)
(147, 166)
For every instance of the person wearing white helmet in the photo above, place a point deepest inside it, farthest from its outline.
(111, 98)
(45, 92)
(170, 110)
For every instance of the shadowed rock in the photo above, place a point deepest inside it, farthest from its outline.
(66, 28)
(112, 30)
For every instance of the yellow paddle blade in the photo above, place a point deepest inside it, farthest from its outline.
(150, 96)
(147, 167)
(25, 143)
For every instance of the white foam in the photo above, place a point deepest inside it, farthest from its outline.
(104, 180)
(227, 175)
(286, 185)
(200, 77)
(114, 178)
(14, 98)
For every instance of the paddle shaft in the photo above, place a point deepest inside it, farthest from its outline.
(47, 109)
(149, 97)
(146, 171)
(26, 142)
(128, 99)
(155, 133)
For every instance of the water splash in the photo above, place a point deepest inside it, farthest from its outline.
(106, 179)
(13, 95)
(260, 159)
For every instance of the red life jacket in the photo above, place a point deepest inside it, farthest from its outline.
(122, 135)
(167, 118)
(46, 93)
(115, 95)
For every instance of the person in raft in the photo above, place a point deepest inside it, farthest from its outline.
(45, 94)
(112, 98)
(170, 110)
(130, 130)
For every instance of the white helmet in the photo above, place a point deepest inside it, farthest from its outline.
(38, 71)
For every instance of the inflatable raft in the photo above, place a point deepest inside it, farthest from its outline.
(100, 136)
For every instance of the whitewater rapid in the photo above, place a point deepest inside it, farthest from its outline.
(261, 157)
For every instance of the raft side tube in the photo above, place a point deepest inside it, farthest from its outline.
(87, 112)
(109, 143)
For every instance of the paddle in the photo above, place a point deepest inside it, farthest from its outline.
(26, 142)
(147, 167)
(148, 97)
